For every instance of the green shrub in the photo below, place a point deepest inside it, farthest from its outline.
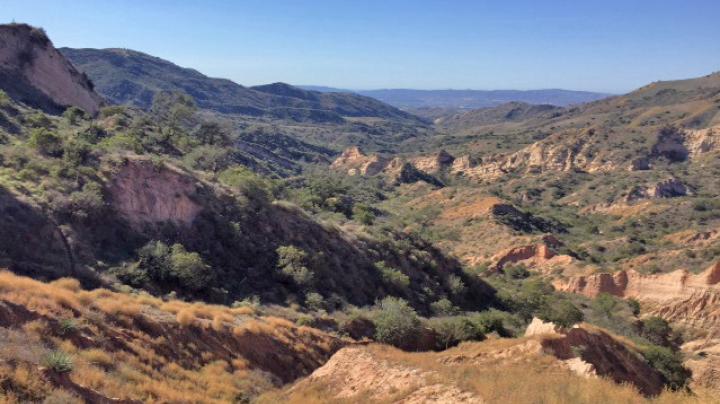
(39, 120)
(396, 323)
(454, 330)
(363, 214)
(605, 304)
(443, 307)
(562, 313)
(173, 266)
(634, 306)
(291, 263)
(456, 285)
(492, 321)
(58, 361)
(516, 271)
(67, 326)
(657, 330)
(669, 364)
(45, 142)
(314, 301)
(392, 276)
(74, 114)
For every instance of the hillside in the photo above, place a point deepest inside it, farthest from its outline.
(32, 71)
(133, 78)
(174, 252)
(470, 99)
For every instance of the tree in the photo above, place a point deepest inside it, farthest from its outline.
(605, 304)
(291, 263)
(669, 364)
(169, 266)
(393, 276)
(46, 142)
(74, 114)
(396, 323)
(657, 330)
(562, 313)
(634, 306)
(363, 214)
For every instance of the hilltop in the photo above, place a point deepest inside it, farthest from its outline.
(129, 77)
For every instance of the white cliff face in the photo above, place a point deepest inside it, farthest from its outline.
(46, 72)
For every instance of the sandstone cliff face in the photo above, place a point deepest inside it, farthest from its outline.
(397, 170)
(144, 193)
(434, 163)
(47, 80)
(669, 188)
(601, 355)
(663, 287)
(354, 162)
(703, 141)
(534, 255)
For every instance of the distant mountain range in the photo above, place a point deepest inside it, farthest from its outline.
(469, 99)
(125, 76)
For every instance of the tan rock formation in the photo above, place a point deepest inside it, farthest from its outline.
(662, 287)
(48, 80)
(354, 162)
(534, 255)
(434, 163)
(143, 192)
(700, 142)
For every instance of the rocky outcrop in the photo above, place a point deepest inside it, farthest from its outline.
(399, 171)
(534, 255)
(32, 71)
(434, 163)
(703, 141)
(662, 287)
(143, 192)
(357, 373)
(354, 162)
(669, 188)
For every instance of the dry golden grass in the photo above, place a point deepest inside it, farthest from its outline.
(529, 378)
(136, 346)
(186, 317)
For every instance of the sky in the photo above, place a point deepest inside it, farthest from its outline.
(607, 46)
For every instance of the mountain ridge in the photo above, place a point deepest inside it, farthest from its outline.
(131, 77)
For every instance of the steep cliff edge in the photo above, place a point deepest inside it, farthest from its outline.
(34, 72)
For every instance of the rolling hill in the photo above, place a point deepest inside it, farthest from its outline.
(125, 76)
(470, 99)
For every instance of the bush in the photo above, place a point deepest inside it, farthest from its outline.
(492, 321)
(291, 263)
(443, 307)
(605, 304)
(208, 158)
(314, 301)
(74, 114)
(562, 313)
(657, 330)
(392, 276)
(634, 306)
(173, 266)
(46, 142)
(396, 323)
(669, 364)
(58, 361)
(67, 326)
(363, 214)
(454, 330)
(456, 285)
(516, 271)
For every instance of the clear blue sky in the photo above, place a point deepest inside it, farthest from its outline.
(608, 45)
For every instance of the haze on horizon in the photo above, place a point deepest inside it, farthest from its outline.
(607, 46)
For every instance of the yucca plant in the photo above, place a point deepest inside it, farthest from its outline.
(58, 361)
